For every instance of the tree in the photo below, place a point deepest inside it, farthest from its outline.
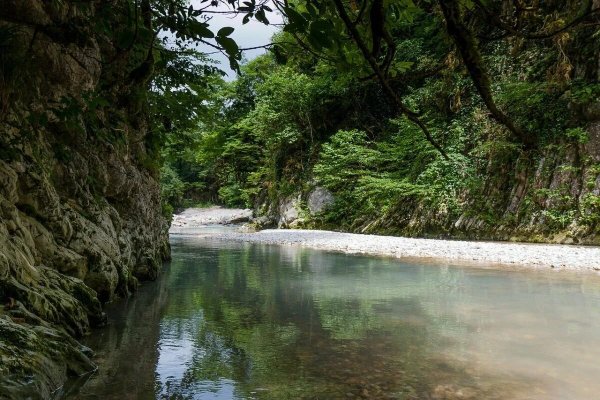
(324, 28)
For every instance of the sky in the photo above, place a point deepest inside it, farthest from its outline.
(252, 34)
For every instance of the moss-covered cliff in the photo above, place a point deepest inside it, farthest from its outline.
(80, 219)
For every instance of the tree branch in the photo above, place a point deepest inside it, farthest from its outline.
(411, 115)
(466, 45)
(585, 12)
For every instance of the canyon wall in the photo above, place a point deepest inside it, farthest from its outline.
(80, 216)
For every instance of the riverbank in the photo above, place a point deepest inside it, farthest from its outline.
(562, 257)
(192, 218)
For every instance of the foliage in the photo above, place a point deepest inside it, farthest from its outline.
(579, 135)
(172, 189)
(368, 116)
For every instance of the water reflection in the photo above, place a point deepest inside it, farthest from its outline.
(241, 321)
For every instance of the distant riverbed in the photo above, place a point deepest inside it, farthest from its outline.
(490, 254)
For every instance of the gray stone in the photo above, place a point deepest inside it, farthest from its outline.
(319, 199)
(592, 146)
(288, 211)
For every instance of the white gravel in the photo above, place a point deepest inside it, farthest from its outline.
(198, 217)
(564, 257)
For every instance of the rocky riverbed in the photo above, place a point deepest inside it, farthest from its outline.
(197, 217)
(563, 257)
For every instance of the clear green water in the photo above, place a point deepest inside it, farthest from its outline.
(241, 321)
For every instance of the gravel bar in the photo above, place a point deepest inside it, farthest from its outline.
(564, 257)
(198, 217)
(561, 257)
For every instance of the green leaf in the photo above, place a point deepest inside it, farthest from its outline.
(234, 64)
(229, 45)
(468, 4)
(225, 31)
(404, 65)
(312, 10)
(200, 29)
(319, 39)
(260, 15)
(322, 25)
(295, 18)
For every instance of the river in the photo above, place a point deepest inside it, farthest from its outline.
(251, 321)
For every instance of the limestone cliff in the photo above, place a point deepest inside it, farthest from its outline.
(80, 219)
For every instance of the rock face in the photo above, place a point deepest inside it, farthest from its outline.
(319, 199)
(551, 197)
(288, 212)
(80, 219)
(293, 210)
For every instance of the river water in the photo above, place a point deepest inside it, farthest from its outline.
(247, 321)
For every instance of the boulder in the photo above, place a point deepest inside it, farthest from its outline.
(288, 211)
(319, 200)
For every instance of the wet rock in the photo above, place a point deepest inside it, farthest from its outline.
(37, 359)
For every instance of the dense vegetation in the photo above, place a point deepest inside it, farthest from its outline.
(438, 107)
(421, 117)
